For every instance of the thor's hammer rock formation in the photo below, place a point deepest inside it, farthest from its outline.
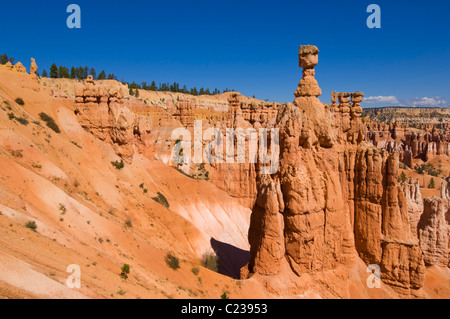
(335, 197)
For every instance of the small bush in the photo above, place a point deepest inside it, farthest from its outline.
(195, 271)
(31, 225)
(50, 122)
(431, 185)
(128, 222)
(210, 261)
(62, 208)
(117, 164)
(172, 261)
(19, 101)
(125, 271)
(17, 153)
(224, 295)
(22, 121)
(403, 177)
(161, 199)
(11, 116)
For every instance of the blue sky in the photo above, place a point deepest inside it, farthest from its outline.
(250, 46)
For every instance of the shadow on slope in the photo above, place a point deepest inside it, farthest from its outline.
(231, 259)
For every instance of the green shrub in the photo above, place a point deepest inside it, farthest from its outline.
(117, 164)
(19, 101)
(17, 153)
(210, 261)
(161, 199)
(431, 185)
(195, 270)
(172, 261)
(31, 225)
(11, 116)
(125, 271)
(429, 169)
(22, 121)
(50, 122)
(225, 295)
(403, 177)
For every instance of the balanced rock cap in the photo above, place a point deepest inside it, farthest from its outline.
(358, 93)
(308, 49)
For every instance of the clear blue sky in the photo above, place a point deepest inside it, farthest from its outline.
(250, 46)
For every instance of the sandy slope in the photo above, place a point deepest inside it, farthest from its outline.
(80, 202)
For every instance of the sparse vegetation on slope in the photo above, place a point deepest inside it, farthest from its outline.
(50, 122)
(429, 169)
(19, 101)
(161, 199)
(118, 165)
(31, 225)
(125, 271)
(172, 261)
(210, 261)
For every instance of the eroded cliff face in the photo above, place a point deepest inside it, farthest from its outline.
(334, 198)
(410, 143)
(434, 228)
(101, 110)
(414, 202)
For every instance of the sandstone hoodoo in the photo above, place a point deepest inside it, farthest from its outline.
(335, 199)
(33, 67)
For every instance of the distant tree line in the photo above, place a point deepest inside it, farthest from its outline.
(80, 73)
(175, 87)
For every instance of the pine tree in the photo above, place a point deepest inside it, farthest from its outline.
(80, 73)
(402, 176)
(3, 59)
(44, 74)
(431, 185)
(63, 72)
(137, 93)
(85, 72)
(130, 91)
(53, 71)
(153, 86)
(93, 73)
(102, 75)
(73, 73)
